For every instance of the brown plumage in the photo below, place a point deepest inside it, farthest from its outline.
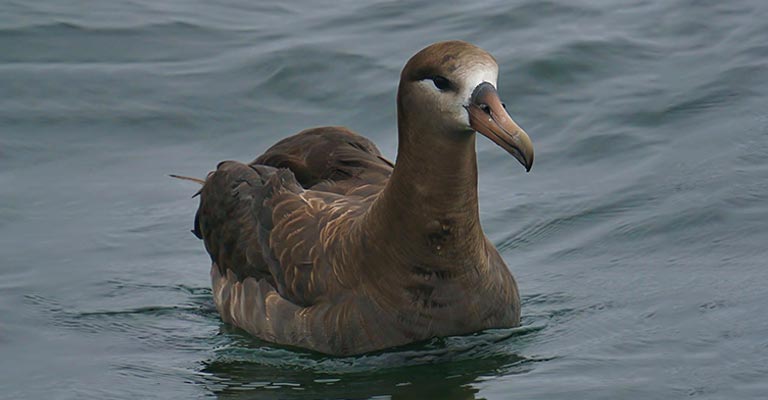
(322, 243)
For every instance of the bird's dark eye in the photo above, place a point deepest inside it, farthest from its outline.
(441, 82)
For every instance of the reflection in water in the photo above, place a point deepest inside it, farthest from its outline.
(442, 368)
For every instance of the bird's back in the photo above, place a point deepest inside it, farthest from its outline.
(272, 219)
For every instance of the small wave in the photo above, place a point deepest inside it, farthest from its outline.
(154, 311)
(64, 28)
(569, 220)
(575, 60)
(121, 285)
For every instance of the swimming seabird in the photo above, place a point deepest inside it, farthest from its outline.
(324, 244)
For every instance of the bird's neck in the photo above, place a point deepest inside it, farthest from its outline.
(428, 212)
(435, 176)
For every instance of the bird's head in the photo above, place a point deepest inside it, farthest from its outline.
(450, 88)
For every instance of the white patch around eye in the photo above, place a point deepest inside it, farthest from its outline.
(455, 103)
(429, 83)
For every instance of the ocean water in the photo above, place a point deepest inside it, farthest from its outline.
(639, 240)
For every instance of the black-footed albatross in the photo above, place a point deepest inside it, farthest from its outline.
(323, 244)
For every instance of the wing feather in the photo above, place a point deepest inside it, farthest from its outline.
(273, 219)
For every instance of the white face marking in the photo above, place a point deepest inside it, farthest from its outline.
(475, 77)
(472, 79)
(452, 104)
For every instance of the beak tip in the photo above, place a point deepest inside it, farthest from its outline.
(526, 162)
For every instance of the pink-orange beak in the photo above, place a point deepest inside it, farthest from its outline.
(488, 116)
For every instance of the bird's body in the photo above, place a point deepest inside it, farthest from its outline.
(322, 243)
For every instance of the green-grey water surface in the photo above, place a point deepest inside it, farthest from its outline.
(639, 240)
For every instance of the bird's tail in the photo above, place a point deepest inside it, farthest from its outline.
(188, 178)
